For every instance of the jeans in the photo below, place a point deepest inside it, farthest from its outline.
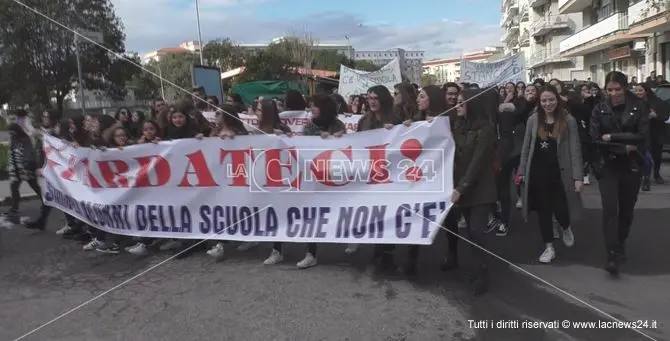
(16, 194)
(618, 192)
(477, 218)
(504, 183)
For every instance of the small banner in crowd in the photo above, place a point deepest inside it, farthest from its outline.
(296, 120)
(508, 69)
(356, 82)
(379, 186)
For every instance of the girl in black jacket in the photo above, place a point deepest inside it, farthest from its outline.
(620, 129)
(658, 114)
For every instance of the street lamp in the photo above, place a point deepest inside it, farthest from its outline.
(197, 15)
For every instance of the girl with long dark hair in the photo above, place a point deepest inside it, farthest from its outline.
(404, 101)
(381, 115)
(620, 129)
(552, 169)
(228, 126)
(474, 179)
(658, 114)
(431, 102)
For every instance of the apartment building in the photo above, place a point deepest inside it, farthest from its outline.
(514, 22)
(621, 35)
(410, 61)
(449, 69)
(547, 29)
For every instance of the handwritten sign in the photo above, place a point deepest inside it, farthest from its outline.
(508, 69)
(355, 82)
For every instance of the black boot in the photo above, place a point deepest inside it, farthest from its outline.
(37, 224)
(450, 262)
(411, 268)
(646, 184)
(480, 284)
(612, 263)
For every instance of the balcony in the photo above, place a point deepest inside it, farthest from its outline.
(513, 7)
(547, 56)
(504, 37)
(547, 24)
(524, 40)
(605, 33)
(537, 3)
(524, 13)
(503, 19)
(644, 18)
(573, 6)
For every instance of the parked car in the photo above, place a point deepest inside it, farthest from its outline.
(663, 92)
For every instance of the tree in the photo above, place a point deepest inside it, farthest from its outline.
(41, 54)
(223, 53)
(365, 65)
(428, 79)
(268, 65)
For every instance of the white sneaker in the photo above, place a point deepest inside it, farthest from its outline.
(519, 203)
(557, 233)
(308, 262)
(139, 249)
(247, 246)
(64, 229)
(462, 224)
(275, 257)
(216, 251)
(93, 244)
(568, 237)
(587, 180)
(351, 248)
(170, 245)
(548, 255)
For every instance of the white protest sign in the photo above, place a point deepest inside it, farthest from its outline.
(508, 69)
(356, 188)
(297, 121)
(356, 82)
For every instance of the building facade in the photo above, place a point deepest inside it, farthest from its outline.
(627, 36)
(547, 29)
(449, 69)
(411, 62)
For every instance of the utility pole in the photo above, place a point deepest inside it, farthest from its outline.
(197, 15)
(80, 74)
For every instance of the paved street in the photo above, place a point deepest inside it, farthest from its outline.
(43, 276)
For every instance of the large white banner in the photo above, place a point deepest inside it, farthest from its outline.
(296, 120)
(356, 82)
(378, 186)
(508, 69)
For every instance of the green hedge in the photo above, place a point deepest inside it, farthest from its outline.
(3, 124)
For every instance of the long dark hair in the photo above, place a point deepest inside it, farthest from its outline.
(438, 101)
(328, 110)
(269, 116)
(385, 103)
(80, 135)
(406, 110)
(340, 103)
(561, 123)
(229, 118)
(481, 105)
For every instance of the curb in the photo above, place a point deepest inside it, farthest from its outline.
(8, 200)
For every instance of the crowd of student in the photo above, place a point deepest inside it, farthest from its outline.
(540, 136)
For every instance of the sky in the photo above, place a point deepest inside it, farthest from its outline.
(442, 28)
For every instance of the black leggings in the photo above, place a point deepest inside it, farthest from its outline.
(618, 193)
(504, 183)
(311, 247)
(16, 194)
(546, 213)
(477, 219)
(656, 151)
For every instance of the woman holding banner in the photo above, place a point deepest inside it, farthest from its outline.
(325, 124)
(474, 177)
(431, 102)
(381, 115)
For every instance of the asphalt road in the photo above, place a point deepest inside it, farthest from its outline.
(120, 297)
